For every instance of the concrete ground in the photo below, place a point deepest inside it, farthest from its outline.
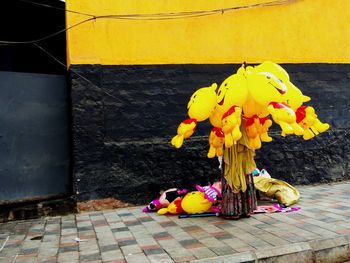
(318, 232)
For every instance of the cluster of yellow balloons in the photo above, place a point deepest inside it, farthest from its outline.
(246, 100)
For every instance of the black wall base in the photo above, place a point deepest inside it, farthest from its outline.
(125, 116)
(36, 209)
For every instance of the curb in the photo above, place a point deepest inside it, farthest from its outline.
(333, 250)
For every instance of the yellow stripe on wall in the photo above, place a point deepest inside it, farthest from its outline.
(304, 31)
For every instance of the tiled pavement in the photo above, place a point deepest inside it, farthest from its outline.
(128, 235)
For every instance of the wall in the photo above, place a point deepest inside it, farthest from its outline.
(131, 81)
(122, 143)
(302, 31)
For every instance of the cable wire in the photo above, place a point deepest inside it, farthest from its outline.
(154, 16)
(166, 14)
(220, 10)
(54, 7)
(46, 37)
(73, 71)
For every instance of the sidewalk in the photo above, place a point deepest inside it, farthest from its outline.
(319, 232)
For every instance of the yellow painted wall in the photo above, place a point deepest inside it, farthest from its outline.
(304, 31)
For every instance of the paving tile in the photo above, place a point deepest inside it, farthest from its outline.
(132, 223)
(89, 257)
(120, 229)
(131, 249)
(160, 258)
(202, 252)
(127, 242)
(152, 251)
(68, 248)
(168, 224)
(162, 236)
(145, 219)
(112, 255)
(108, 248)
(136, 258)
(84, 228)
(29, 251)
(192, 229)
(191, 243)
(183, 258)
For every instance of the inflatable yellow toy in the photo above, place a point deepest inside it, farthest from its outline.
(216, 141)
(233, 91)
(174, 208)
(231, 122)
(294, 97)
(185, 130)
(216, 116)
(195, 203)
(307, 119)
(264, 87)
(285, 117)
(201, 105)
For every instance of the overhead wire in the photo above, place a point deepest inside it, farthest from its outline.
(166, 14)
(73, 71)
(145, 17)
(213, 11)
(55, 7)
(46, 37)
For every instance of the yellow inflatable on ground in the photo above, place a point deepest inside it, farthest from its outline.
(195, 203)
(173, 208)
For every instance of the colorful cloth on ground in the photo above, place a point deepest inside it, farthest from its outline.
(275, 208)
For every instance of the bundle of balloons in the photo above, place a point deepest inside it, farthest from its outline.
(246, 102)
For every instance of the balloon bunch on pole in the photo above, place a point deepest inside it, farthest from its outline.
(248, 101)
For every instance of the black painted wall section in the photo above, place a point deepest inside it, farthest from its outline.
(34, 137)
(125, 116)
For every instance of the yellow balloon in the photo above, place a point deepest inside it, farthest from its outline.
(294, 97)
(231, 123)
(184, 131)
(264, 88)
(233, 91)
(273, 68)
(195, 203)
(216, 116)
(251, 108)
(202, 103)
(308, 120)
(216, 142)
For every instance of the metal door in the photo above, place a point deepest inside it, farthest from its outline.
(34, 137)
